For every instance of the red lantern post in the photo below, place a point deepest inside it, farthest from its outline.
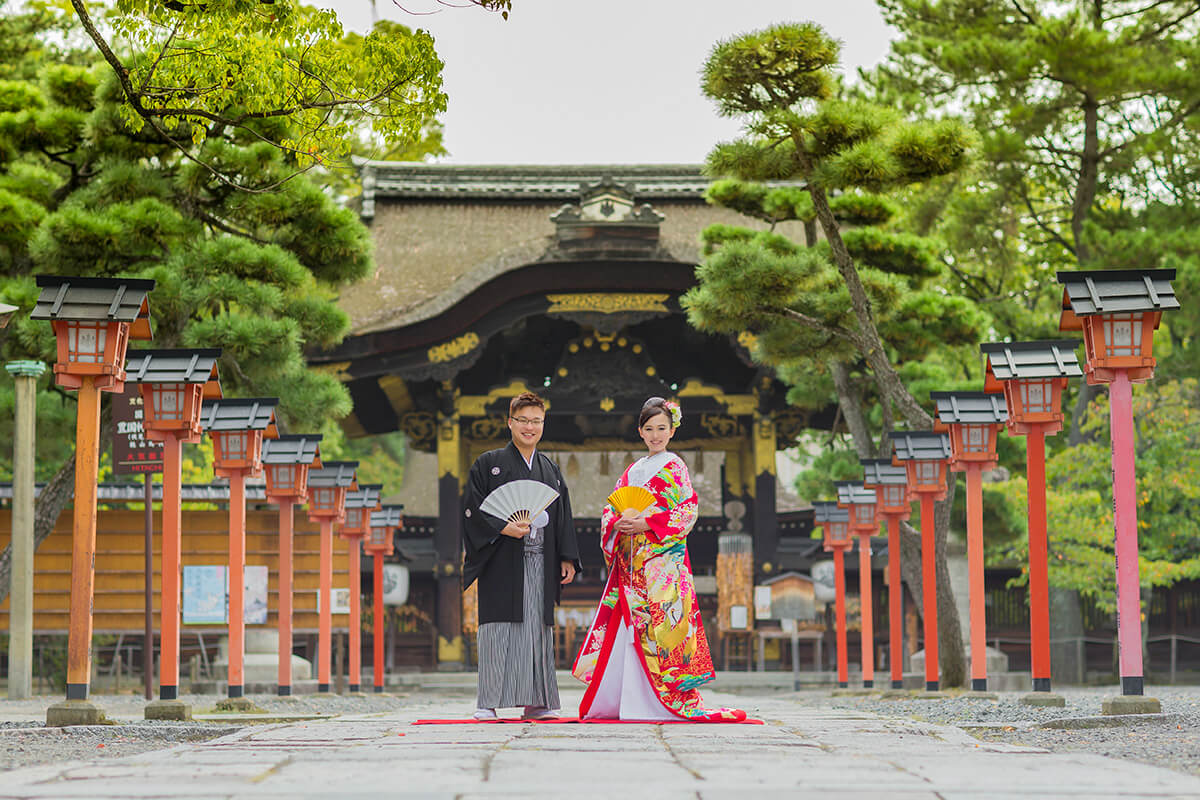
(327, 488)
(93, 320)
(891, 492)
(359, 506)
(860, 502)
(925, 455)
(378, 544)
(974, 420)
(1118, 312)
(237, 428)
(174, 384)
(286, 462)
(1032, 376)
(835, 523)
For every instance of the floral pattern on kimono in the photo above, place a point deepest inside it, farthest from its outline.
(650, 586)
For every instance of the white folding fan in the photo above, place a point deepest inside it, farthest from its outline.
(519, 501)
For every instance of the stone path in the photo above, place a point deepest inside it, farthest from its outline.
(836, 753)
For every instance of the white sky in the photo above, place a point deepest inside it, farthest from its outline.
(599, 81)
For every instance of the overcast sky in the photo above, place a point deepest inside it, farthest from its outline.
(599, 81)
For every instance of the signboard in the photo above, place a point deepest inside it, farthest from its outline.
(762, 602)
(133, 453)
(341, 601)
(395, 584)
(206, 595)
(255, 598)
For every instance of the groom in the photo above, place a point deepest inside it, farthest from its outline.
(520, 568)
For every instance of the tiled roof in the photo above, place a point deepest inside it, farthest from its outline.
(881, 471)
(828, 511)
(1053, 358)
(920, 445)
(172, 366)
(367, 496)
(337, 474)
(120, 299)
(136, 492)
(297, 448)
(970, 407)
(239, 414)
(389, 516)
(1109, 291)
(853, 492)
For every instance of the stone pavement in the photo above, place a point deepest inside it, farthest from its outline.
(821, 752)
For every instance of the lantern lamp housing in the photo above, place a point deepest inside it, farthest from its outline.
(973, 420)
(1118, 311)
(860, 502)
(327, 488)
(359, 505)
(834, 522)
(1032, 376)
(93, 320)
(925, 456)
(237, 428)
(286, 461)
(890, 483)
(384, 523)
(174, 384)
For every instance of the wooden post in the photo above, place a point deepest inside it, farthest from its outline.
(975, 572)
(237, 583)
(895, 604)
(355, 556)
(20, 638)
(866, 599)
(148, 589)
(1129, 606)
(929, 592)
(285, 596)
(325, 621)
(378, 627)
(83, 543)
(172, 544)
(839, 576)
(1039, 585)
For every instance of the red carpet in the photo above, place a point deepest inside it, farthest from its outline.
(561, 720)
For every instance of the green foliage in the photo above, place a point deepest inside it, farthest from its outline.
(817, 481)
(1079, 498)
(862, 208)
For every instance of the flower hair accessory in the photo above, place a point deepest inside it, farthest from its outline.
(675, 411)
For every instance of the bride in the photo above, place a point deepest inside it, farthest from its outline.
(645, 653)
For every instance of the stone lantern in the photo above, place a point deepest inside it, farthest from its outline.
(286, 462)
(835, 523)
(1118, 311)
(1032, 376)
(925, 456)
(237, 428)
(384, 523)
(173, 384)
(860, 502)
(359, 505)
(327, 488)
(93, 321)
(974, 420)
(890, 483)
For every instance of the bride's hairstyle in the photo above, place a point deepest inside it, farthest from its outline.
(652, 408)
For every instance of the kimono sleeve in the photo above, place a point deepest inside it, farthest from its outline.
(481, 531)
(608, 525)
(679, 503)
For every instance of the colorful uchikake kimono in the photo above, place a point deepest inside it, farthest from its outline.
(645, 653)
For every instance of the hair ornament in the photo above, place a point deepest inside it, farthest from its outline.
(675, 411)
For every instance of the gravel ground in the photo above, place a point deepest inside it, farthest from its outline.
(1172, 740)
(25, 741)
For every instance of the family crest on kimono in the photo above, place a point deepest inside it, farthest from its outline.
(645, 653)
(521, 567)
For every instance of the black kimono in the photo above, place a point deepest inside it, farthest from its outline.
(497, 561)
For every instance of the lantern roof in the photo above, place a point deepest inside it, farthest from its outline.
(1114, 291)
(240, 414)
(853, 492)
(970, 408)
(390, 516)
(367, 495)
(920, 445)
(1053, 358)
(333, 475)
(828, 511)
(295, 448)
(882, 472)
(96, 300)
(176, 366)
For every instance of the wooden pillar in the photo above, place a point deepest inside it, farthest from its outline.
(377, 620)
(172, 547)
(20, 638)
(237, 583)
(766, 531)
(286, 536)
(448, 538)
(325, 620)
(355, 556)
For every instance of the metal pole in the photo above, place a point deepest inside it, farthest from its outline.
(20, 639)
(148, 587)
(1129, 607)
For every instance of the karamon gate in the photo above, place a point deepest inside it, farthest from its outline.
(566, 281)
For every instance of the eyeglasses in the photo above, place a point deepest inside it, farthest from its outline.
(537, 423)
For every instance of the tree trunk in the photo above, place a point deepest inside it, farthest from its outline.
(850, 399)
(55, 497)
(952, 655)
(1088, 178)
